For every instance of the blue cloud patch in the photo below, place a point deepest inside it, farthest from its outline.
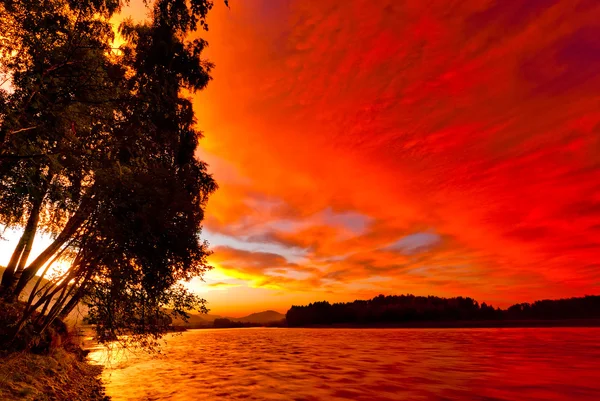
(416, 243)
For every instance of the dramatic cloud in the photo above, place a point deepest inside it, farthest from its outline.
(361, 147)
(403, 146)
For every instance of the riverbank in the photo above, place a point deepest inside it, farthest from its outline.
(60, 375)
(448, 324)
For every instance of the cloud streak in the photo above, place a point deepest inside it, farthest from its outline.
(343, 135)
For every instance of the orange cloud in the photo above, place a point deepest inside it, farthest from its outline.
(341, 133)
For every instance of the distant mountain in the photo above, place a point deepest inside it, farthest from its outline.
(197, 320)
(268, 316)
(209, 318)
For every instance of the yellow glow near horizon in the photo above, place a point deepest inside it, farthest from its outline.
(437, 154)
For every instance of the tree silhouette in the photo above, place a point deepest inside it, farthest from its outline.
(410, 308)
(97, 148)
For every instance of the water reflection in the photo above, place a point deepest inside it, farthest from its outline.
(370, 364)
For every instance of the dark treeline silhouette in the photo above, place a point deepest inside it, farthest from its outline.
(222, 323)
(409, 308)
(587, 307)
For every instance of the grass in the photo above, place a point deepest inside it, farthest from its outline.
(57, 371)
(60, 375)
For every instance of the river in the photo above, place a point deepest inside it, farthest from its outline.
(362, 364)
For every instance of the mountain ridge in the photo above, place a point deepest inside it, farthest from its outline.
(206, 320)
(267, 316)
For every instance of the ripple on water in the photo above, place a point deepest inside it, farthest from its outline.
(373, 364)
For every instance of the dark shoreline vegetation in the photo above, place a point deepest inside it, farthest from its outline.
(431, 311)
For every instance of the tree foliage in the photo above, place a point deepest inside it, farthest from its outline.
(97, 148)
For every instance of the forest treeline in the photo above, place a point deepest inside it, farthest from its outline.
(409, 308)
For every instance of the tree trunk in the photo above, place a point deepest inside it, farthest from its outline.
(78, 295)
(9, 272)
(68, 231)
(73, 302)
(55, 310)
(22, 251)
(30, 233)
(67, 301)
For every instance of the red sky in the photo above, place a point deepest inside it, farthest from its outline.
(365, 147)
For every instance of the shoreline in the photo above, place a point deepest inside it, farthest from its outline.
(451, 324)
(60, 375)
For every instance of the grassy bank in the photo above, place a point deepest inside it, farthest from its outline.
(47, 366)
(60, 375)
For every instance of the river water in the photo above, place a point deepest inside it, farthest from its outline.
(362, 364)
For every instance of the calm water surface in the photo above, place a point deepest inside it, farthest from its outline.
(357, 364)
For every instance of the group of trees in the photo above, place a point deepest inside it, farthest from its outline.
(410, 308)
(587, 307)
(385, 309)
(97, 150)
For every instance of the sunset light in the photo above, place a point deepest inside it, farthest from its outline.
(397, 148)
(299, 200)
